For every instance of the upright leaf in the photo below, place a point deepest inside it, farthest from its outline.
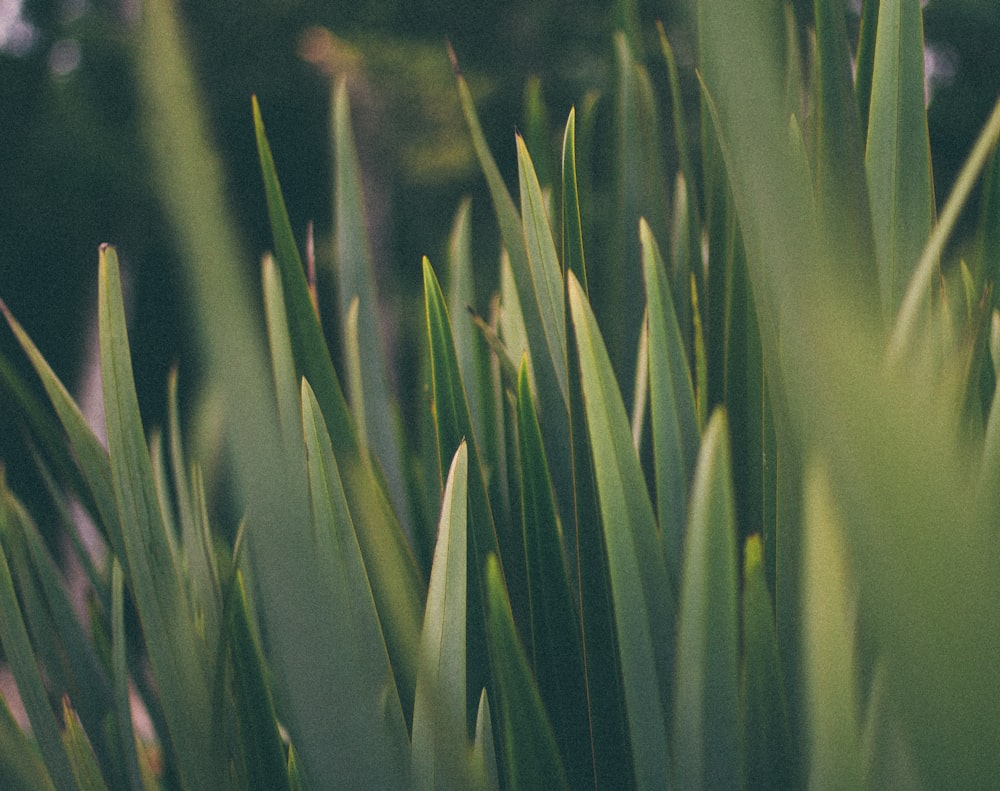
(572, 230)
(706, 704)
(440, 743)
(640, 582)
(898, 156)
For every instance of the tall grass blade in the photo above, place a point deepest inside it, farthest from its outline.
(898, 156)
(675, 423)
(531, 758)
(706, 702)
(355, 694)
(176, 654)
(88, 775)
(640, 582)
(573, 258)
(556, 648)
(119, 666)
(439, 745)
(864, 60)
(830, 661)
(484, 752)
(21, 769)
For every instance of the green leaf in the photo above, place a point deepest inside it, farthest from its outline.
(537, 133)
(483, 749)
(897, 156)
(768, 750)
(556, 643)
(21, 659)
(829, 651)
(85, 769)
(865, 61)
(90, 454)
(841, 187)
(675, 421)
(706, 704)
(356, 279)
(176, 654)
(572, 229)
(20, 767)
(453, 424)
(357, 706)
(119, 666)
(531, 758)
(260, 740)
(439, 743)
(640, 582)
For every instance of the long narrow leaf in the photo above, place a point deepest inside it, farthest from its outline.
(706, 726)
(641, 585)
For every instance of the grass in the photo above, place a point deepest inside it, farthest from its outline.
(741, 536)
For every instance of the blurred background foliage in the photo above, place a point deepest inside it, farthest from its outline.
(74, 170)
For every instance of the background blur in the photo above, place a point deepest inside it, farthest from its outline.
(74, 172)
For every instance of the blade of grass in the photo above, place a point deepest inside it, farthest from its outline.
(531, 758)
(88, 775)
(706, 703)
(119, 667)
(830, 665)
(483, 750)
(20, 767)
(640, 581)
(21, 659)
(176, 655)
(438, 750)
(358, 708)
(897, 156)
(573, 258)
(556, 646)
(675, 422)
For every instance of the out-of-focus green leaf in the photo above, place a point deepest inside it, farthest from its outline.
(573, 259)
(537, 134)
(829, 652)
(912, 310)
(20, 767)
(176, 654)
(865, 61)
(640, 581)
(841, 188)
(356, 279)
(897, 156)
(769, 759)
(439, 750)
(355, 693)
(81, 757)
(531, 758)
(675, 422)
(706, 702)
(556, 648)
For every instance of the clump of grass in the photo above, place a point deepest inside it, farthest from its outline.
(773, 565)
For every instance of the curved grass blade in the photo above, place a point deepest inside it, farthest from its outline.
(556, 645)
(531, 758)
(439, 752)
(706, 703)
(176, 655)
(675, 422)
(640, 581)
(358, 715)
(898, 156)
(769, 759)
(829, 653)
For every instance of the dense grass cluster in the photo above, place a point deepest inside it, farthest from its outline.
(770, 563)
